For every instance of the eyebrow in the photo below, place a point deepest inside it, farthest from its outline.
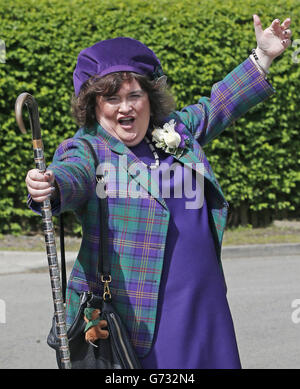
(137, 91)
(130, 93)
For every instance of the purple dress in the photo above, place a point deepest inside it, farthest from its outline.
(194, 328)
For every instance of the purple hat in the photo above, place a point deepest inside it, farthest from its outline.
(115, 55)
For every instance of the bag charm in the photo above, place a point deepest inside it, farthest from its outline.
(94, 326)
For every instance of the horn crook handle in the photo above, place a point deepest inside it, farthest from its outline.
(28, 100)
(48, 230)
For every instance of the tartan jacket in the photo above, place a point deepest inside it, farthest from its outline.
(138, 226)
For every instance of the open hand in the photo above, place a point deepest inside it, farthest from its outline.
(272, 41)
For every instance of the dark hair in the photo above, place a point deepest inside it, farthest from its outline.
(83, 106)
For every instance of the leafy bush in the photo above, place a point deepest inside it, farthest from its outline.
(198, 42)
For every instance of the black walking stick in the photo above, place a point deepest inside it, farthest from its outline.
(59, 310)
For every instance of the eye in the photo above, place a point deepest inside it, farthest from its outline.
(111, 99)
(136, 95)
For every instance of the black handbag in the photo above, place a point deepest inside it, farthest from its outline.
(115, 352)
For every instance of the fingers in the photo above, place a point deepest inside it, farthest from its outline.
(286, 24)
(282, 30)
(257, 25)
(286, 33)
(286, 37)
(39, 185)
(286, 43)
(275, 27)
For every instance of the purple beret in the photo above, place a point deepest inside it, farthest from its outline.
(115, 55)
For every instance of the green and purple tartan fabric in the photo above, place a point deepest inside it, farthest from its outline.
(138, 226)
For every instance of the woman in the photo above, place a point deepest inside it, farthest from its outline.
(168, 284)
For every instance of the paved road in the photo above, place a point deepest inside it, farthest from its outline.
(260, 294)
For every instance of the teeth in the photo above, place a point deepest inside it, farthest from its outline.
(126, 120)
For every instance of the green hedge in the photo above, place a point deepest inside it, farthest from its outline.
(198, 42)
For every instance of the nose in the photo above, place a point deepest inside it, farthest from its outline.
(125, 106)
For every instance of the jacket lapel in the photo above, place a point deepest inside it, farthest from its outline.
(135, 170)
(191, 159)
(194, 158)
(138, 172)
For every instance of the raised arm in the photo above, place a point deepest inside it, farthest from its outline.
(242, 88)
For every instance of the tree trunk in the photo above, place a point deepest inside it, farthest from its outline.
(244, 213)
(254, 219)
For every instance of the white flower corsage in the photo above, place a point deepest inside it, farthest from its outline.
(170, 138)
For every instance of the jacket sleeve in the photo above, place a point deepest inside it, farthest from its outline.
(230, 98)
(75, 175)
